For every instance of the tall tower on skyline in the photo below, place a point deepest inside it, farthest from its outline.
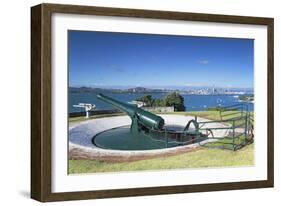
(214, 90)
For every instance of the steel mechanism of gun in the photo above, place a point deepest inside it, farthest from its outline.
(144, 121)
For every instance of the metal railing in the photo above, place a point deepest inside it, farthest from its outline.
(238, 122)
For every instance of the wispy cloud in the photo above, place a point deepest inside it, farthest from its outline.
(204, 61)
(122, 70)
(116, 68)
(97, 84)
(195, 84)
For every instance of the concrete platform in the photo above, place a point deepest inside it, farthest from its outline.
(81, 147)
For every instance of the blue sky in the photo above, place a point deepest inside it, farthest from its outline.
(105, 59)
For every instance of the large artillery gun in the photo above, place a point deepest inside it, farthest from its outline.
(141, 119)
(238, 126)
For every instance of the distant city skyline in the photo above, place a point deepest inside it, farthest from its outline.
(158, 87)
(106, 59)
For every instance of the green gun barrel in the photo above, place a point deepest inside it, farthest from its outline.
(143, 117)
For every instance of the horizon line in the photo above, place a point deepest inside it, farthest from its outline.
(160, 86)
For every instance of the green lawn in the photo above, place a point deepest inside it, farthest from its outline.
(201, 158)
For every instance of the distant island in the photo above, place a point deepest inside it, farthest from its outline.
(143, 90)
(130, 90)
(246, 98)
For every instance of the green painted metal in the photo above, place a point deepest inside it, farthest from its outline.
(237, 140)
(147, 122)
(141, 119)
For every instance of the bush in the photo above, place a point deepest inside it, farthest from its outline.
(159, 103)
(176, 100)
(147, 99)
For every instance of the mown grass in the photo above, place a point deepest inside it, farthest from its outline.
(228, 143)
(201, 158)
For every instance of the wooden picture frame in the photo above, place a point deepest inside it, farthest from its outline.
(41, 117)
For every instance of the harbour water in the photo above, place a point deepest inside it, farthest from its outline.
(191, 102)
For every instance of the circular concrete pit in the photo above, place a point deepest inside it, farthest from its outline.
(81, 146)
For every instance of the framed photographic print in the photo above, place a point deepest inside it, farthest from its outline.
(130, 102)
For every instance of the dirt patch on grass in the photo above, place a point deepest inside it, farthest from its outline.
(80, 154)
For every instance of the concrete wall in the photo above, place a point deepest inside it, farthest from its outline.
(159, 109)
(113, 111)
(94, 112)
